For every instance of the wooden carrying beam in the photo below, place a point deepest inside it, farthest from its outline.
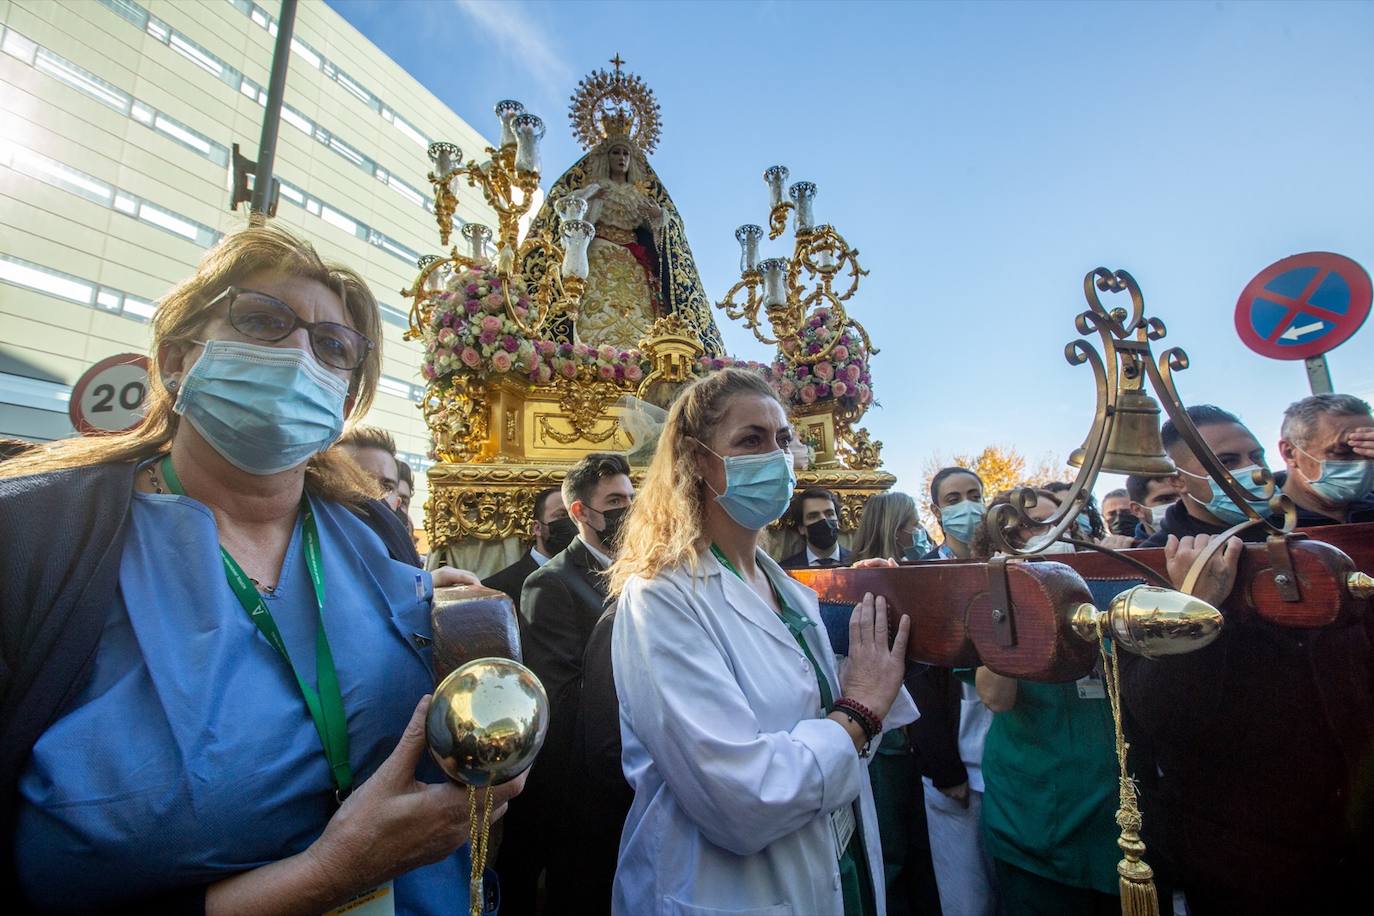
(1015, 616)
(472, 621)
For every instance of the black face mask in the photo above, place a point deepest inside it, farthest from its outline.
(561, 534)
(823, 533)
(610, 533)
(1124, 523)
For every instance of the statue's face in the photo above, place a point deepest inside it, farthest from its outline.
(619, 159)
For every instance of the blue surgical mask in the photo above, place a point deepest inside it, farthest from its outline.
(1222, 506)
(961, 520)
(1342, 481)
(919, 549)
(264, 409)
(758, 488)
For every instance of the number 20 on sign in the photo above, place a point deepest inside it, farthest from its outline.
(109, 397)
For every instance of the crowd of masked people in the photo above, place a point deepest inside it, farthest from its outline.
(215, 666)
(1253, 756)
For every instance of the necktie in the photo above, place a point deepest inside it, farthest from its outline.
(824, 561)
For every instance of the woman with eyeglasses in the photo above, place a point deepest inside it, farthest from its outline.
(213, 677)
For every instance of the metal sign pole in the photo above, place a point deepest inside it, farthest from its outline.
(1319, 375)
(261, 203)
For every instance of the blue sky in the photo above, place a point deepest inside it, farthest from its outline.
(983, 157)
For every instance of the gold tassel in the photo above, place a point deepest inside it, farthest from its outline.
(479, 830)
(1135, 877)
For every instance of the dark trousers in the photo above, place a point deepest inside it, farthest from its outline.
(1023, 893)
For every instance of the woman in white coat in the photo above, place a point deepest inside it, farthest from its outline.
(746, 751)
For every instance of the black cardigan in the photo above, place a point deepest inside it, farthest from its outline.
(61, 542)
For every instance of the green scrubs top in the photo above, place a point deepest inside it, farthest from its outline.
(1049, 765)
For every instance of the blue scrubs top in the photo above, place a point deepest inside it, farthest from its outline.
(190, 755)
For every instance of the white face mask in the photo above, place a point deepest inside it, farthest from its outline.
(1157, 514)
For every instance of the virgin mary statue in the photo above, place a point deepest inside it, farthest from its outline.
(641, 268)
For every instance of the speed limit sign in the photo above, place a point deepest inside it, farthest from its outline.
(109, 396)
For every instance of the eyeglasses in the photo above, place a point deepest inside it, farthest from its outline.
(262, 317)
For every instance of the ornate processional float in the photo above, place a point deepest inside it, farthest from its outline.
(573, 338)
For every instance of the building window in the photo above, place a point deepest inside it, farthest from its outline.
(55, 283)
(250, 89)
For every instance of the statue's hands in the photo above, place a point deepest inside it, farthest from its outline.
(446, 576)
(874, 672)
(1218, 576)
(874, 563)
(1361, 441)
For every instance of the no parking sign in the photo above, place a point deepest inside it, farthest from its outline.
(1303, 307)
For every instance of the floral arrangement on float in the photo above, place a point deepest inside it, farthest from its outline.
(470, 333)
(830, 364)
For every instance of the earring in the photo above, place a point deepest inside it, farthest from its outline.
(170, 384)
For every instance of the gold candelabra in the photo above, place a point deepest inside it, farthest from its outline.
(508, 180)
(788, 291)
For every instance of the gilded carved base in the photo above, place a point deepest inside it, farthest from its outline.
(490, 501)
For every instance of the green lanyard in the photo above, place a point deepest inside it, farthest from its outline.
(326, 705)
(797, 623)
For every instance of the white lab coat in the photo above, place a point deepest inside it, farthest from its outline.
(734, 772)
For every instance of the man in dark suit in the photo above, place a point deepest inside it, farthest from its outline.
(549, 540)
(815, 514)
(560, 605)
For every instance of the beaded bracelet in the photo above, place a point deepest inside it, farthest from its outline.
(863, 727)
(861, 714)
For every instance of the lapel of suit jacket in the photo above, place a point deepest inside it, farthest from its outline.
(590, 567)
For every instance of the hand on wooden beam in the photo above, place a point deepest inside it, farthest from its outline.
(1218, 577)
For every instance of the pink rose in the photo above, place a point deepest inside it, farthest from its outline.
(808, 394)
(491, 323)
(852, 372)
(607, 373)
(568, 369)
(824, 371)
(606, 352)
(841, 353)
(838, 389)
(545, 375)
(445, 336)
(501, 360)
(545, 347)
(494, 301)
(633, 373)
(788, 389)
(582, 351)
(470, 357)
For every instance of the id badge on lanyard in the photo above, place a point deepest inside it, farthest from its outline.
(842, 825)
(380, 901)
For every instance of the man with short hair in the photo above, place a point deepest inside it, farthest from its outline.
(559, 606)
(1205, 508)
(551, 531)
(373, 449)
(815, 514)
(1150, 498)
(1328, 476)
(1117, 514)
(405, 488)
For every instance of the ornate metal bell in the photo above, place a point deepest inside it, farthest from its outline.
(1134, 445)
